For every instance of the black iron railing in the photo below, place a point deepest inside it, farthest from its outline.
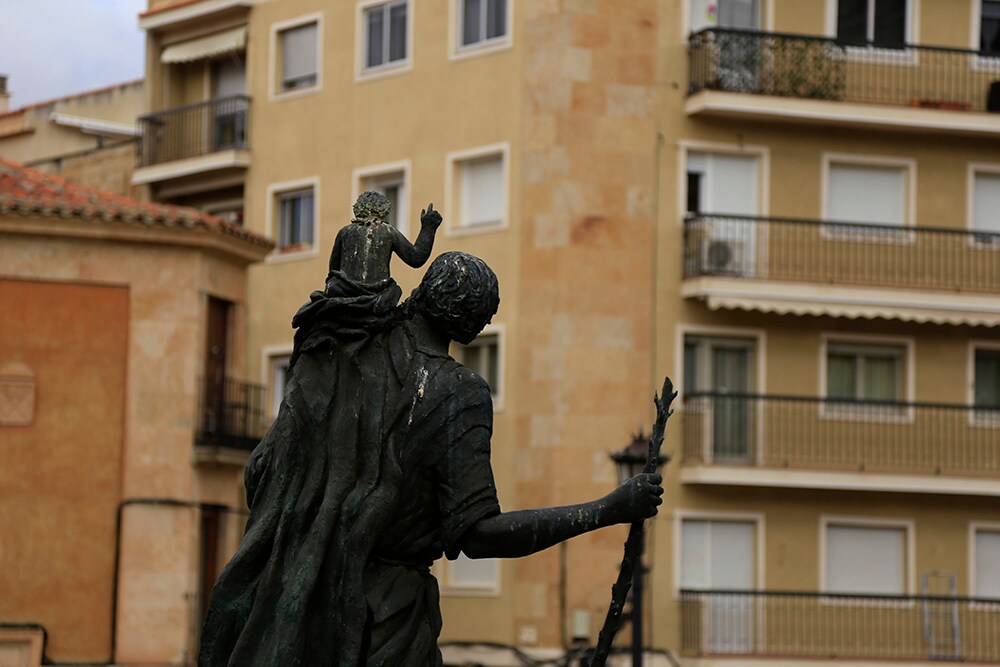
(769, 431)
(230, 414)
(803, 66)
(195, 129)
(819, 625)
(841, 253)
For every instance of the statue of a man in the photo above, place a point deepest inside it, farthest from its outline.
(377, 465)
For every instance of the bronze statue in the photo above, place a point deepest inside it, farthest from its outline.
(377, 464)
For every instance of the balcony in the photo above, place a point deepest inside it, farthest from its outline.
(840, 269)
(196, 138)
(739, 73)
(230, 417)
(773, 624)
(769, 440)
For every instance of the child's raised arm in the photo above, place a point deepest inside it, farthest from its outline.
(416, 254)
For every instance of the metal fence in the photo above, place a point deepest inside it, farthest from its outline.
(812, 433)
(230, 414)
(821, 625)
(841, 253)
(195, 129)
(803, 66)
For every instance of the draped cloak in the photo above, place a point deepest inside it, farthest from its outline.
(376, 464)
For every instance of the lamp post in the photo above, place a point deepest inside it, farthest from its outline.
(630, 462)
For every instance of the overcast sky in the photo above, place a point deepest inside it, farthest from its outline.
(52, 48)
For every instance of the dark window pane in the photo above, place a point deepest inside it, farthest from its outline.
(694, 191)
(989, 34)
(496, 18)
(890, 23)
(852, 21)
(470, 21)
(397, 32)
(376, 37)
(987, 380)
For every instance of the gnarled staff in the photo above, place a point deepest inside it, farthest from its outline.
(633, 545)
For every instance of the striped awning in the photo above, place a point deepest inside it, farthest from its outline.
(228, 41)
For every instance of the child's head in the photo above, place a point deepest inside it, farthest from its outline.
(371, 207)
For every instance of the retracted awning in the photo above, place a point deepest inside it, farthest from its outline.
(216, 44)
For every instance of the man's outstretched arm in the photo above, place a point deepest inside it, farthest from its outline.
(524, 532)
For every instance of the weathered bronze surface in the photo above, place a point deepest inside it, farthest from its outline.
(377, 464)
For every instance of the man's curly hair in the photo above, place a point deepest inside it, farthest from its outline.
(459, 293)
(372, 206)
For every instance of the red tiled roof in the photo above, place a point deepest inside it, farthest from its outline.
(71, 96)
(33, 192)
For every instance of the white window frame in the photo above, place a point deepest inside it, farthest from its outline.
(457, 51)
(905, 57)
(274, 90)
(909, 543)
(975, 168)
(497, 392)
(452, 189)
(763, 155)
(682, 515)
(979, 61)
(361, 71)
(271, 212)
(766, 18)
(975, 418)
(385, 170)
(267, 355)
(909, 167)
(451, 589)
(908, 384)
(974, 528)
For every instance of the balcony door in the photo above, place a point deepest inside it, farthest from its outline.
(229, 84)
(214, 384)
(724, 188)
(721, 369)
(718, 557)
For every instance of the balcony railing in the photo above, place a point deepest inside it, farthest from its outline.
(821, 625)
(230, 414)
(802, 66)
(840, 435)
(785, 249)
(195, 129)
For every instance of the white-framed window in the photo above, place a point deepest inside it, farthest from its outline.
(865, 372)
(392, 180)
(477, 185)
(884, 24)
(275, 378)
(472, 576)
(736, 14)
(484, 356)
(385, 36)
(984, 560)
(293, 218)
(482, 22)
(866, 556)
(296, 61)
(984, 204)
(865, 190)
(987, 31)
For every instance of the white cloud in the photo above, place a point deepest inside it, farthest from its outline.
(52, 48)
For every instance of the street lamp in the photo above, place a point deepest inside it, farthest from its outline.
(630, 462)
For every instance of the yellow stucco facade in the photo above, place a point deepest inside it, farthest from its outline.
(602, 144)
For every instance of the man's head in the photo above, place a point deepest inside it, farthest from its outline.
(459, 295)
(371, 207)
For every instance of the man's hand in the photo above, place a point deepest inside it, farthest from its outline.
(430, 217)
(636, 499)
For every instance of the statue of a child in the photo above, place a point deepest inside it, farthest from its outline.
(363, 248)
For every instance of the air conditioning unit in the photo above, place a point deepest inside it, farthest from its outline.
(724, 257)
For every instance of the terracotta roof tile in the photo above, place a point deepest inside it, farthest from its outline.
(33, 192)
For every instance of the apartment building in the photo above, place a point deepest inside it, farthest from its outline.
(792, 207)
